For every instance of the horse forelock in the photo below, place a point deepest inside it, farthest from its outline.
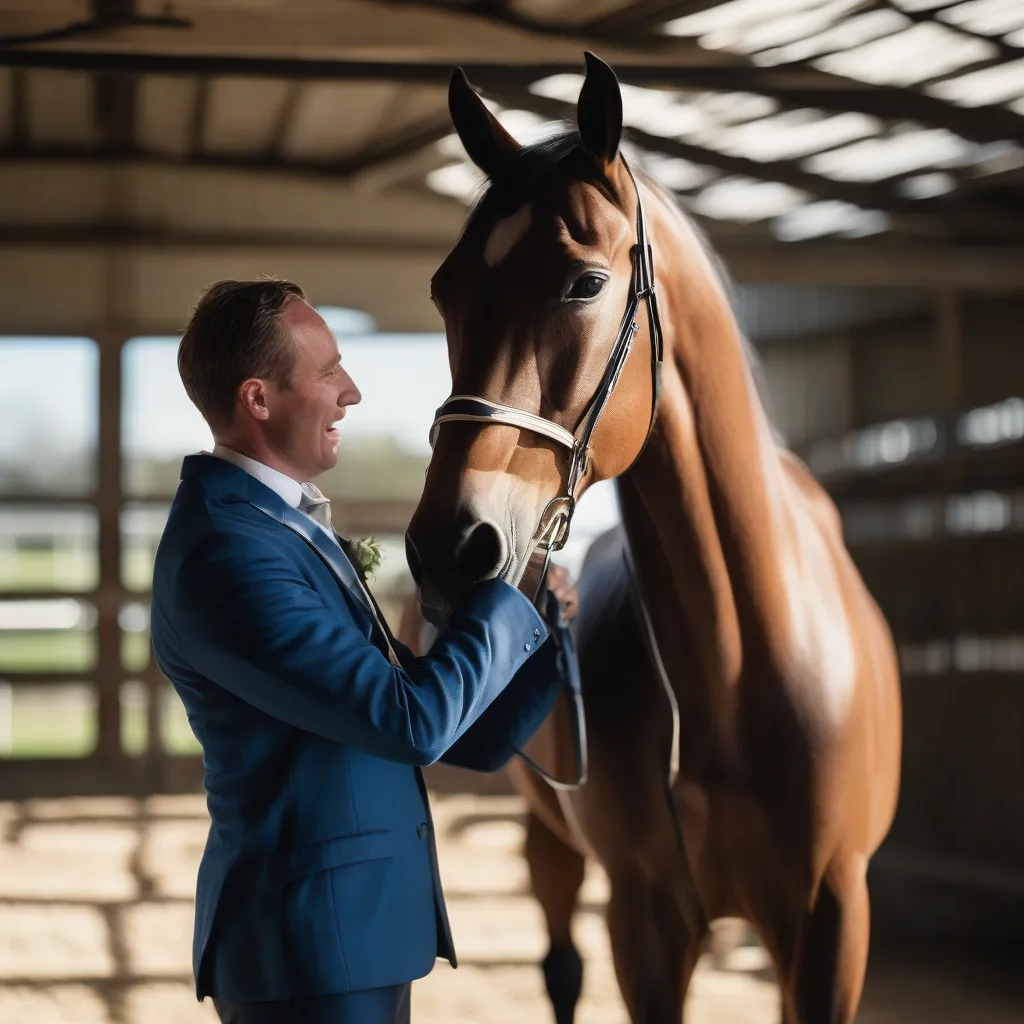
(523, 176)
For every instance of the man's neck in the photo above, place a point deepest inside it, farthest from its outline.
(259, 453)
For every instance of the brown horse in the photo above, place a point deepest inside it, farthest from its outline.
(780, 663)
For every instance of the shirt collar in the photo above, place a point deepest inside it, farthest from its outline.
(290, 490)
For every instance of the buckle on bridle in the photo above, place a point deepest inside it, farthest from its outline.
(555, 521)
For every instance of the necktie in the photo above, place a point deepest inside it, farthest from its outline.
(316, 506)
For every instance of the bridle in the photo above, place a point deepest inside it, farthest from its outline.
(556, 519)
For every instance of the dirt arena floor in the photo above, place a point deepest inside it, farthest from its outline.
(96, 926)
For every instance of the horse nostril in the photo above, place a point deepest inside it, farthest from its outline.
(413, 558)
(482, 552)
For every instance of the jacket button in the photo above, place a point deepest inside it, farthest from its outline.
(422, 829)
(536, 634)
(527, 648)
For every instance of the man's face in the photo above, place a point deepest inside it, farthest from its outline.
(301, 425)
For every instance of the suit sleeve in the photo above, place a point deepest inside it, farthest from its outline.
(253, 625)
(491, 742)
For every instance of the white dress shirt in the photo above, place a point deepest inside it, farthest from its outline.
(290, 490)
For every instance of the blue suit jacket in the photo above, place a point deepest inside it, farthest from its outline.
(320, 872)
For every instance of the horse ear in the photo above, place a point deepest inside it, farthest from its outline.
(488, 144)
(599, 111)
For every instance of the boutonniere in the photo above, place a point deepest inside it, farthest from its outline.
(365, 556)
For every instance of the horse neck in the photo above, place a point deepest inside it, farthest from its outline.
(702, 506)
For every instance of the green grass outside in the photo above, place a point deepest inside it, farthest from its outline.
(65, 726)
(73, 571)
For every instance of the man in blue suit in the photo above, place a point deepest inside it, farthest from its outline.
(318, 895)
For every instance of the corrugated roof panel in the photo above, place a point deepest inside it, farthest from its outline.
(767, 312)
(242, 115)
(334, 119)
(61, 107)
(164, 111)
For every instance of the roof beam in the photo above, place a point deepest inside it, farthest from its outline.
(198, 118)
(285, 117)
(19, 139)
(392, 149)
(791, 87)
(116, 93)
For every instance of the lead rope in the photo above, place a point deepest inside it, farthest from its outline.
(654, 651)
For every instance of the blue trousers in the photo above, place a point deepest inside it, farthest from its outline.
(389, 1005)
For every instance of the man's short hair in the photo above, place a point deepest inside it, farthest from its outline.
(232, 336)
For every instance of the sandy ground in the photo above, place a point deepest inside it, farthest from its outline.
(96, 925)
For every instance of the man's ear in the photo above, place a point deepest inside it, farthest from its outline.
(252, 394)
(599, 111)
(488, 144)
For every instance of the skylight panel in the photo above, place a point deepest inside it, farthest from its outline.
(921, 52)
(734, 14)
(996, 84)
(850, 32)
(674, 173)
(875, 159)
(828, 217)
(777, 31)
(461, 181)
(788, 135)
(746, 199)
(987, 17)
(928, 186)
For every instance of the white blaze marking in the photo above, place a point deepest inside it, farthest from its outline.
(506, 235)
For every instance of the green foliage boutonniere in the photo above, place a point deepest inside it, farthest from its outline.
(365, 555)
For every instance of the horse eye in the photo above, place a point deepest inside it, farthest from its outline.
(586, 286)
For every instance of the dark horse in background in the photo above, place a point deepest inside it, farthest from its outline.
(780, 663)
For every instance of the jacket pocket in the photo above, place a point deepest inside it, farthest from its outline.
(335, 852)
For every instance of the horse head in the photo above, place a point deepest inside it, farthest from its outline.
(533, 298)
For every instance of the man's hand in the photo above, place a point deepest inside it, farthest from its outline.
(562, 585)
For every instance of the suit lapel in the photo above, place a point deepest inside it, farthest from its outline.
(330, 552)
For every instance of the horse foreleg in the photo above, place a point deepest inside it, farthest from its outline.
(556, 873)
(827, 979)
(654, 949)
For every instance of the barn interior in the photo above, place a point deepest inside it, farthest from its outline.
(859, 167)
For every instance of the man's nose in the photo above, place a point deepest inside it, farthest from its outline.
(350, 393)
